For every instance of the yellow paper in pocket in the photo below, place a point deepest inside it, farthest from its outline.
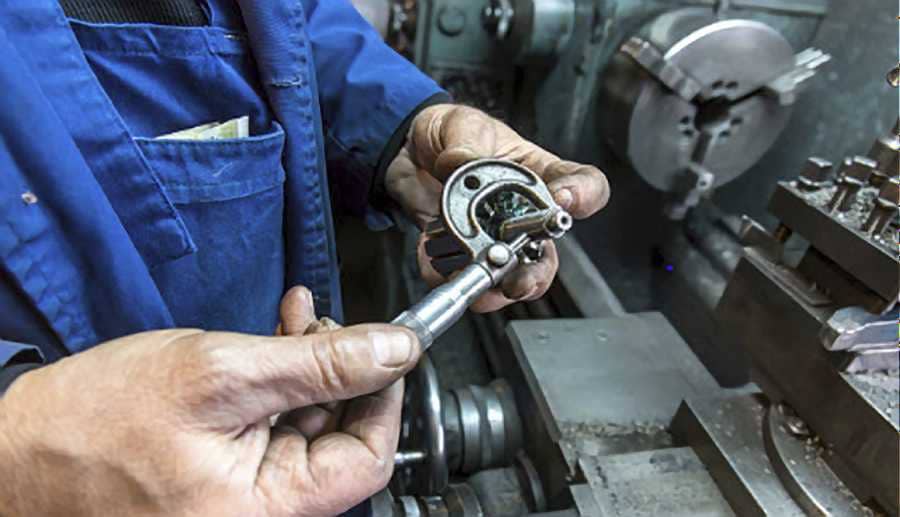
(234, 128)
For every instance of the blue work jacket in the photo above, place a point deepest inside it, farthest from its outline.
(106, 230)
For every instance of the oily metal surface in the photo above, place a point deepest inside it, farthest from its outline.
(779, 325)
(870, 260)
(800, 464)
(727, 436)
(565, 360)
(672, 482)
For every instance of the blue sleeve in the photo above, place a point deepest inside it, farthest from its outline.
(16, 359)
(15, 353)
(367, 93)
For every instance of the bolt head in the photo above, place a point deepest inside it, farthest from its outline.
(857, 170)
(815, 172)
(890, 192)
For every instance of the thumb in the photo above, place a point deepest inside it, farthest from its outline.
(454, 158)
(297, 311)
(277, 374)
(445, 137)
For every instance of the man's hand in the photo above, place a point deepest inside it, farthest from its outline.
(445, 137)
(176, 422)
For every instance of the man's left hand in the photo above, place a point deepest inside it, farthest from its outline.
(445, 137)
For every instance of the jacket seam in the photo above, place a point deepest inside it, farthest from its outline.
(77, 321)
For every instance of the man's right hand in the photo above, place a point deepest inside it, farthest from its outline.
(177, 423)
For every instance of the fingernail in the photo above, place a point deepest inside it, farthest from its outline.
(392, 349)
(564, 198)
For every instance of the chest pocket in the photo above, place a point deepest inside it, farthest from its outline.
(229, 193)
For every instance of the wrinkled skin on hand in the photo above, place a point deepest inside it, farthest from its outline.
(176, 423)
(445, 137)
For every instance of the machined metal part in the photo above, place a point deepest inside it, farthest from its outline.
(870, 260)
(798, 462)
(781, 327)
(854, 175)
(530, 29)
(422, 467)
(507, 492)
(885, 207)
(483, 427)
(615, 357)
(463, 431)
(727, 436)
(461, 501)
(497, 18)
(853, 329)
(787, 86)
(671, 482)
(862, 341)
(409, 507)
(482, 196)
(491, 210)
(553, 224)
(693, 185)
(687, 74)
(816, 173)
(444, 305)
(886, 154)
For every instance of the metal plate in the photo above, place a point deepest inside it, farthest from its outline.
(670, 482)
(727, 436)
(629, 372)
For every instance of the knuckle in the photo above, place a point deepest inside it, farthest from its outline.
(378, 473)
(200, 369)
(332, 373)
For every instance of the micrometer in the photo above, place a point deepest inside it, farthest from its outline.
(495, 214)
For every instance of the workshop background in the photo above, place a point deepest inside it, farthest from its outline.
(701, 112)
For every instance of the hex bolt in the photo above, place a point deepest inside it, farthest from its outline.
(499, 255)
(885, 207)
(855, 173)
(815, 174)
(886, 153)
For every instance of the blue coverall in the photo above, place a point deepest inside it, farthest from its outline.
(106, 231)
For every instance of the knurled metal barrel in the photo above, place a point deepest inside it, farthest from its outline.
(445, 304)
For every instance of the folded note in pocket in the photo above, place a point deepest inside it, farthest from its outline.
(234, 128)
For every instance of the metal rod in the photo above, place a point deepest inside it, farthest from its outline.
(444, 305)
(406, 458)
